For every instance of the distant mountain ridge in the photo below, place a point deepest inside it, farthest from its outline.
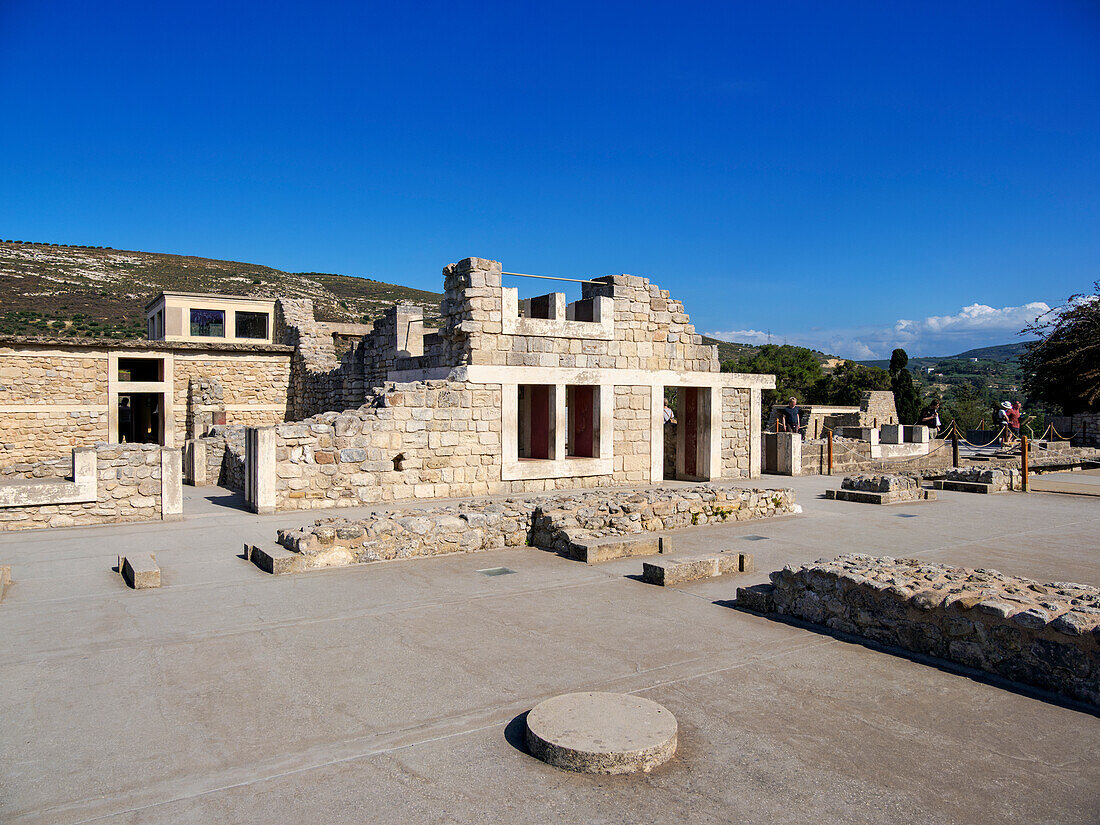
(1001, 353)
(97, 292)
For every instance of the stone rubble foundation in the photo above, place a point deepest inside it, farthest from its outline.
(1041, 634)
(881, 489)
(564, 524)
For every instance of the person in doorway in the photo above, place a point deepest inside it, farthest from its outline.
(790, 417)
(125, 421)
(670, 418)
(930, 417)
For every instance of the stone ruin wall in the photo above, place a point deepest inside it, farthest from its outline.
(1084, 427)
(75, 382)
(129, 488)
(225, 456)
(253, 390)
(1042, 634)
(854, 456)
(320, 379)
(552, 523)
(651, 330)
(736, 413)
(449, 437)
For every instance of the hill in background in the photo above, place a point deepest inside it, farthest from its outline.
(97, 292)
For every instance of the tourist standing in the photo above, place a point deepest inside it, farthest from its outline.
(790, 417)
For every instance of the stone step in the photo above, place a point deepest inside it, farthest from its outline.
(140, 570)
(966, 487)
(867, 497)
(669, 572)
(599, 550)
(276, 560)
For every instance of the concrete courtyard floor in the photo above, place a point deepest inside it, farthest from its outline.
(393, 692)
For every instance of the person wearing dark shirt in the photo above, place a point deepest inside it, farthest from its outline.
(930, 417)
(790, 417)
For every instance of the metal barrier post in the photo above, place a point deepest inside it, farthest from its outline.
(954, 445)
(830, 452)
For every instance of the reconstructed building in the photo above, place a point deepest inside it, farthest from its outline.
(508, 395)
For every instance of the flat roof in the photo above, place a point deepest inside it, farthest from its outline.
(206, 296)
(138, 343)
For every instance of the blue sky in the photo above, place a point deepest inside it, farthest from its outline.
(850, 176)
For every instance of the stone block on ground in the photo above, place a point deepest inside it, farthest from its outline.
(5, 579)
(601, 550)
(881, 489)
(275, 560)
(669, 572)
(757, 598)
(140, 570)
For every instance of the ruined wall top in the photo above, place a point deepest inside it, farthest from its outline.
(620, 322)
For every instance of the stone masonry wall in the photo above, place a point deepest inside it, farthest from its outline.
(225, 456)
(633, 431)
(128, 480)
(735, 432)
(553, 523)
(1083, 427)
(1041, 634)
(251, 387)
(425, 440)
(77, 380)
(651, 330)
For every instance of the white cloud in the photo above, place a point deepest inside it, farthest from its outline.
(976, 325)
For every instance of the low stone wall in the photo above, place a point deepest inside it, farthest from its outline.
(999, 480)
(851, 456)
(553, 523)
(218, 458)
(1041, 634)
(115, 483)
(48, 468)
(869, 483)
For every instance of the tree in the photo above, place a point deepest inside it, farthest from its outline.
(966, 407)
(797, 372)
(849, 381)
(1063, 367)
(906, 397)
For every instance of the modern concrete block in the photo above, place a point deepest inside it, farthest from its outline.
(617, 548)
(867, 497)
(669, 572)
(891, 434)
(276, 560)
(140, 570)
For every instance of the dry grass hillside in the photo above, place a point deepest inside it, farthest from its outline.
(96, 292)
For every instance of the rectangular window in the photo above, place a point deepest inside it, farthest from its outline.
(208, 323)
(140, 369)
(251, 324)
(581, 406)
(535, 421)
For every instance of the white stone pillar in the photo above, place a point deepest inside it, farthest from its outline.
(171, 483)
(754, 432)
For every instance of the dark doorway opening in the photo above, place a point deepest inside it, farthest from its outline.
(581, 406)
(141, 418)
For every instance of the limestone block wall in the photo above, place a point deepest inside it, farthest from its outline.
(651, 331)
(424, 440)
(1045, 634)
(736, 432)
(133, 482)
(254, 389)
(633, 432)
(50, 401)
(320, 379)
(217, 459)
(553, 523)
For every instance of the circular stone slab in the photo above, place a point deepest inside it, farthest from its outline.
(609, 733)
